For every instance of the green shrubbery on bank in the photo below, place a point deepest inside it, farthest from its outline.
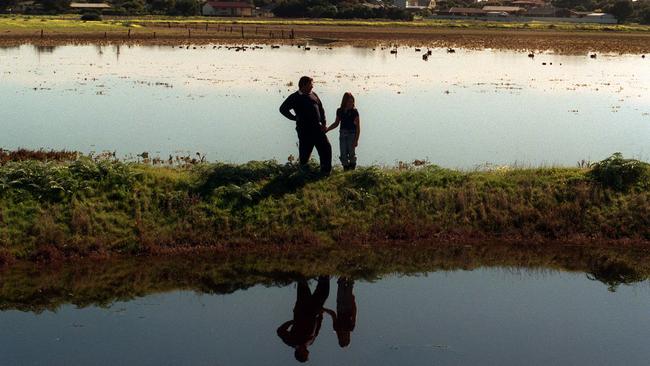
(65, 207)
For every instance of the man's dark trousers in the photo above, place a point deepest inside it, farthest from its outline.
(310, 138)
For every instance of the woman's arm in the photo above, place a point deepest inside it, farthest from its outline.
(334, 125)
(357, 123)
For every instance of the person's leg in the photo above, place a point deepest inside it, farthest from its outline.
(303, 293)
(322, 291)
(353, 154)
(305, 147)
(343, 147)
(324, 152)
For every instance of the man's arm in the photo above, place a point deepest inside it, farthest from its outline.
(283, 332)
(287, 106)
(323, 119)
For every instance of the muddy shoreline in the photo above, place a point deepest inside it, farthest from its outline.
(561, 42)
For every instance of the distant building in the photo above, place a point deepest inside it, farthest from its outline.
(228, 8)
(465, 11)
(528, 4)
(545, 11)
(503, 10)
(415, 4)
(89, 6)
(600, 17)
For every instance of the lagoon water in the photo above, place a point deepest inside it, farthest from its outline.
(489, 316)
(461, 110)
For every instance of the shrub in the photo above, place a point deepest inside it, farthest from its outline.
(91, 17)
(619, 173)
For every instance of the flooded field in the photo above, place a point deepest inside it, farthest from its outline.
(481, 314)
(463, 109)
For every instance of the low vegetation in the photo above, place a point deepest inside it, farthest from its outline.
(53, 208)
(36, 287)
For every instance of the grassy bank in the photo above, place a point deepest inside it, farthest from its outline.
(58, 205)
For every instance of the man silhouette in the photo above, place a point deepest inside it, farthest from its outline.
(302, 331)
(311, 124)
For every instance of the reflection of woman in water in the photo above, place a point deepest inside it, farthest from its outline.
(307, 317)
(346, 311)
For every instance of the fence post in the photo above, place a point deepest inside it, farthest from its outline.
(129, 34)
(242, 32)
(292, 34)
(189, 33)
(206, 26)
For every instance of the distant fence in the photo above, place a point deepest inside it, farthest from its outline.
(520, 19)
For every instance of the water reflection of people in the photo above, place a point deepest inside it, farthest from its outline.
(302, 331)
(345, 317)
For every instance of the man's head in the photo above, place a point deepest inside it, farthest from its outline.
(306, 84)
(302, 353)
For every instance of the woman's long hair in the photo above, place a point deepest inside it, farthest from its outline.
(346, 97)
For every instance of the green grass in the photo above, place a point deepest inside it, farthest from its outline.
(57, 24)
(69, 208)
(71, 22)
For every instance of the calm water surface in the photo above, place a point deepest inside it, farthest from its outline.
(457, 110)
(489, 316)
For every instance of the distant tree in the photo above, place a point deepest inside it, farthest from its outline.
(622, 9)
(6, 4)
(644, 15)
(161, 6)
(573, 4)
(262, 2)
(322, 11)
(290, 9)
(55, 6)
(132, 6)
(186, 7)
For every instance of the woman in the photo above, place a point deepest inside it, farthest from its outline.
(348, 117)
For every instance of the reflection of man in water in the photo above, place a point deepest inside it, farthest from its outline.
(345, 317)
(307, 317)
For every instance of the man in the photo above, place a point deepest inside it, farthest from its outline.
(311, 124)
(302, 331)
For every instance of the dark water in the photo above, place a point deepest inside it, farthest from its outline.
(485, 316)
(460, 110)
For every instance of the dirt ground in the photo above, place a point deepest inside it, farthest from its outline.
(563, 42)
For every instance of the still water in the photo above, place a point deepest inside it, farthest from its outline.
(459, 110)
(488, 316)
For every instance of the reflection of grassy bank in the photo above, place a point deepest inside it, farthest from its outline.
(84, 207)
(36, 288)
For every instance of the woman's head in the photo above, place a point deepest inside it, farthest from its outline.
(348, 101)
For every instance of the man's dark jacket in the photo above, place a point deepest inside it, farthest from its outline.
(309, 112)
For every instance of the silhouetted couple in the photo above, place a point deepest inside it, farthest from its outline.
(302, 331)
(311, 125)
